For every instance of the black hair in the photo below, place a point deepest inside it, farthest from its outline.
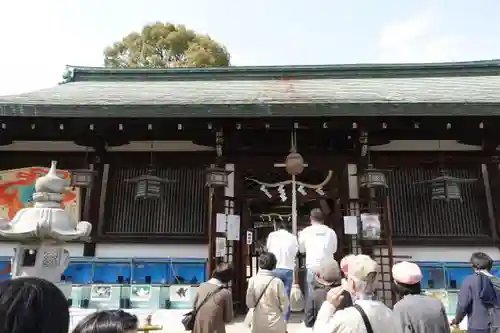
(267, 260)
(223, 272)
(282, 224)
(317, 215)
(32, 305)
(403, 289)
(481, 261)
(113, 321)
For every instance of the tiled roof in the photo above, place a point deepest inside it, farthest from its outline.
(470, 88)
(467, 89)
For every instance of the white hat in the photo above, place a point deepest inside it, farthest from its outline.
(344, 263)
(406, 272)
(361, 266)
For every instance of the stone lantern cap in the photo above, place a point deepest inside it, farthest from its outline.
(47, 219)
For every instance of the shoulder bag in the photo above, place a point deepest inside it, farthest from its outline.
(368, 326)
(249, 317)
(190, 317)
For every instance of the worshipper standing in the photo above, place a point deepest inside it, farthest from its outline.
(111, 321)
(266, 296)
(477, 296)
(32, 305)
(366, 313)
(327, 277)
(213, 302)
(416, 313)
(319, 243)
(284, 246)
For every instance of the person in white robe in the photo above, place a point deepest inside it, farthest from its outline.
(268, 309)
(283, 244)
(319, 243)
(362, 273)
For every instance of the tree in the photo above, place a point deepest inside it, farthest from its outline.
(163, 45)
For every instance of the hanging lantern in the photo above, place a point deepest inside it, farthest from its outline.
(445, 190)
(446, 187)
(83, 178)
(148, 186)
(294, 164)
(372, 178)
(217, 177)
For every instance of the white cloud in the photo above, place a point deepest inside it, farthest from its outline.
(416, 40)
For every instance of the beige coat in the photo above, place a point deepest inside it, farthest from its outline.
(213, 316)
(268, 314)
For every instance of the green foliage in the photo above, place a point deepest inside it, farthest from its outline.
(67, 76)
(162, 45)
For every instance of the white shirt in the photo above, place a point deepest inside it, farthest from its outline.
(284, 246)
(319, 243)
(349, 319)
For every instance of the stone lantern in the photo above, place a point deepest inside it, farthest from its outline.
(42, 231)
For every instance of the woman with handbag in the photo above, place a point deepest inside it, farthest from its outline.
(266, 299)
(213, 303)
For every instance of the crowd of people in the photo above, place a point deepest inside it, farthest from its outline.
(340, 298)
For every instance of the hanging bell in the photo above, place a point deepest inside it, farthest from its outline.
(294, 164)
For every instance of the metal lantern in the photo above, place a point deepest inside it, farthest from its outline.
(148, 186)
(294, 164)
(82, 178)
(445, 190)
(372, 178)
(446, 187)
(217, 177)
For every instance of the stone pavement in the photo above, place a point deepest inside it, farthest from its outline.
(294, 326)
(170, 320)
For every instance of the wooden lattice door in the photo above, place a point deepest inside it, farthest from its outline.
(232, 249)
(380, 250)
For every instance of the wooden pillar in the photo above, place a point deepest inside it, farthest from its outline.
(93, 200)
(490, 173)
(492, 185)
(216, 205)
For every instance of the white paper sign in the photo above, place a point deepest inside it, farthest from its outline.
(233, 227)
(220, 220)
(370, 224)
(350, 225)
(220, 247)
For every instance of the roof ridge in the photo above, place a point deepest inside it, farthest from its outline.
(483, 67)
(475, 63)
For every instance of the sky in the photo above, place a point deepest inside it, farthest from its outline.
(40, 37)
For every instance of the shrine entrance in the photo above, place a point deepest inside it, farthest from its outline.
(265, 208)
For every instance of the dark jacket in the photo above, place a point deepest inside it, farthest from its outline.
(316, 299)
(420, 314)
(476, 298)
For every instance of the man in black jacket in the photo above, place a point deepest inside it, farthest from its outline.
(327, 277)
